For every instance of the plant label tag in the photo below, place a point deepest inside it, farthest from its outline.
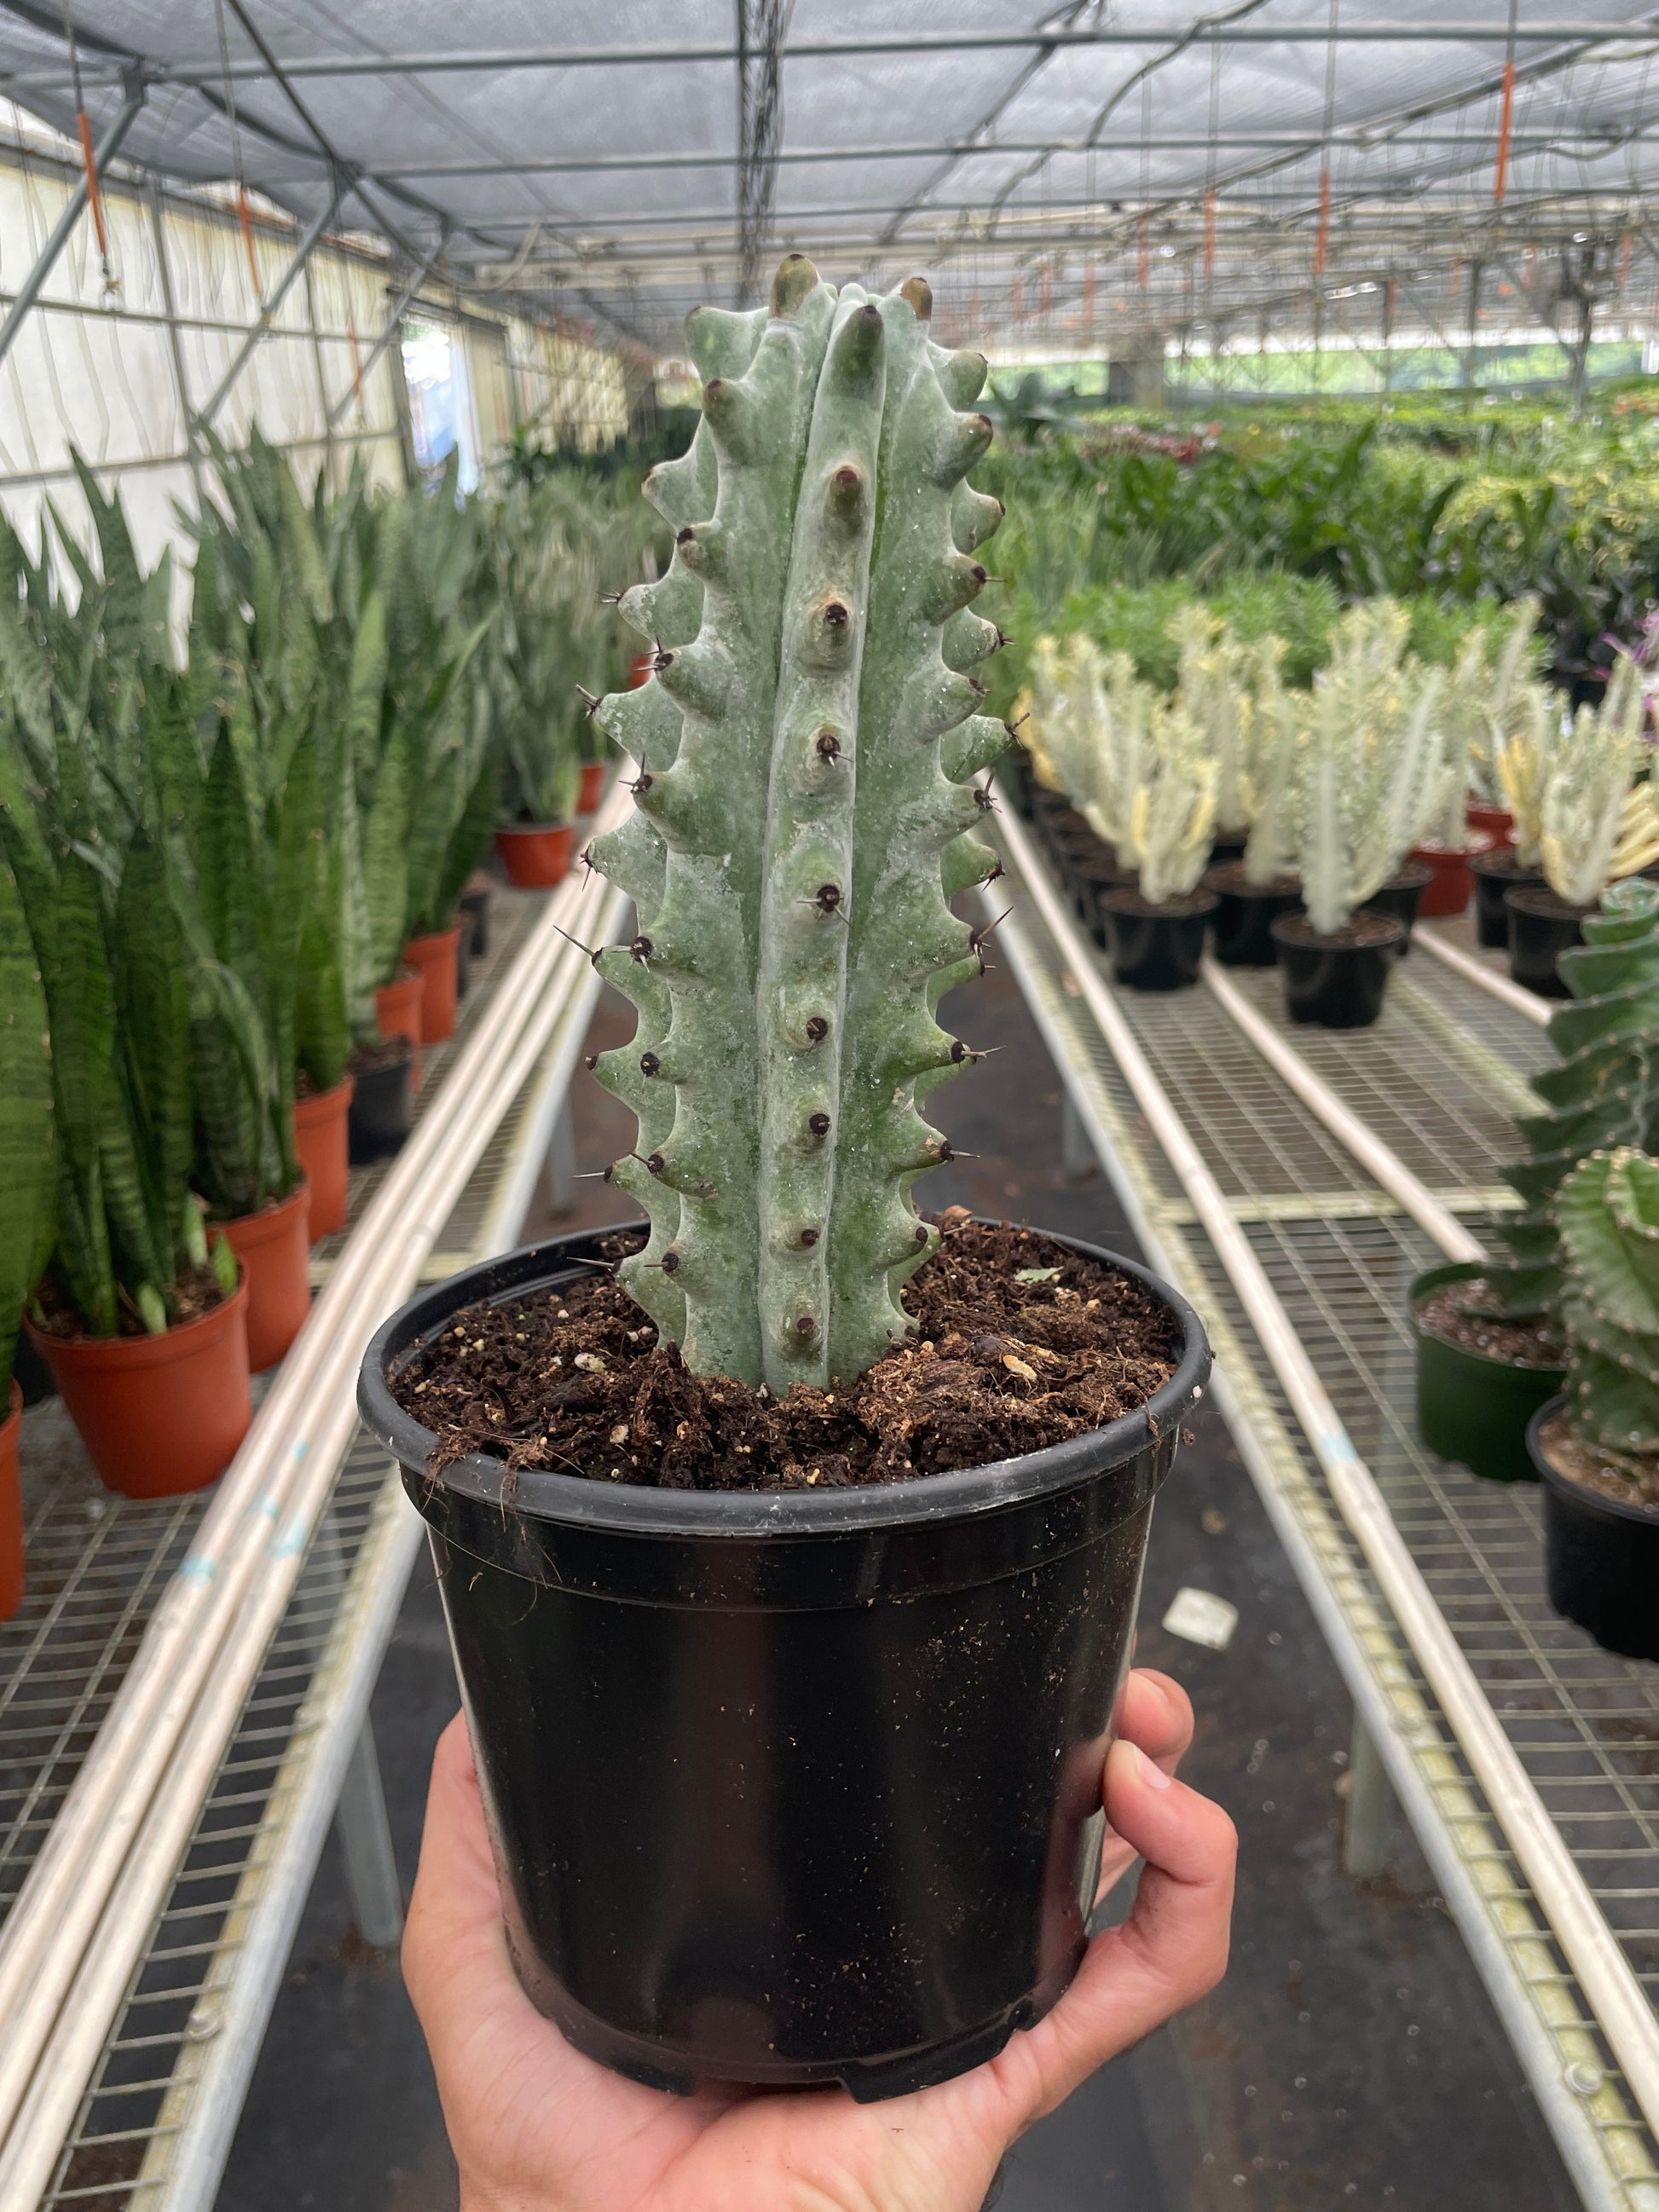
(1199, 1616)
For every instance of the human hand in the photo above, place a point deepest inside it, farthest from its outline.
(538, 2128)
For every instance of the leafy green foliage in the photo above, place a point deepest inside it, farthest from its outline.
(27, 1212)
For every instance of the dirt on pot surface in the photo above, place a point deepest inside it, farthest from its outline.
(196, 1292)
(1228, 877)
(1468, 1314)
(1366, 927)
(1126, 899)
(1539, 898)
(1635, 1482)
(384, 1052)
(1022, 1344)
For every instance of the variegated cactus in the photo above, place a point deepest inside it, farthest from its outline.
(1587, 797)
(808, 749)
(1608, 1214)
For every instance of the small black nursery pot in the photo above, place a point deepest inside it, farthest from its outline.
(1600, 1553)
(1245, 913)
(1400, 895)
(790, 1786)
(382, 1111)
(1494, 873)
(1339, 982)
(1542, 927)
(1155, 948)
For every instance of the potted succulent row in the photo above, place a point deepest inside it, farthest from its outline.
(796, 1541)
(1262, 883)
(1491, 1348)
(27, 1197)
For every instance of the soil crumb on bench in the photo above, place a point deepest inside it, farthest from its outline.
(1021, 1344)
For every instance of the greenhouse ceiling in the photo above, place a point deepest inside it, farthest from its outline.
(1066, 177)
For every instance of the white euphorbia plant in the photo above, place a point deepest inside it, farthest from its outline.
(1367, 787)
(1592, 824)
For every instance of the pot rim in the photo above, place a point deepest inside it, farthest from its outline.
(1194, 906)
(436, 937)
(324, 1105)
(141, 1350)
(12, 1425)
(636, 1509)
(1462, 1271)
(270, 1221)
(1561, 910)
(533, 828)
(1313, 943)
(1492, 864)
(1643, 1516)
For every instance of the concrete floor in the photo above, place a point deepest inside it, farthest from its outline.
(1350, 2059)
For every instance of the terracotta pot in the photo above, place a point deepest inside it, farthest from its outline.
(1497, 820)
(536, 854)
(1451, 883)
(11, 1510)
(435, 958)
(397, 1010)
(319, 1137)
(639, 665)
(274, 1247)
(592, 789)
(159, 1415)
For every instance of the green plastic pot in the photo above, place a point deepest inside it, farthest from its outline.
(1469, 1407)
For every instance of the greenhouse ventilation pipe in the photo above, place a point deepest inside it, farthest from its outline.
(1384, 1166)
(58, 237)
(254, 1534)
(1515, 996)
(1610, 1985)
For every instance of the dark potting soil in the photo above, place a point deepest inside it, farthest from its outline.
(1021, 1344)
(1626, 1481)
(1124, 898)
(1365, 928)
(1229, 877)
(1466, 1314)
(1539, 898)
(196, 1292)
(384, 1052)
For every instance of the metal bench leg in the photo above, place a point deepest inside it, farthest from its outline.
(1369, 1815)
(561, 1164)
(365, 1833)
(1077, 1155)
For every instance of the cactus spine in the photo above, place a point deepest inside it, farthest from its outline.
(808, 746)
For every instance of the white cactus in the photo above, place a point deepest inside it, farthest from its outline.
(1587, 826)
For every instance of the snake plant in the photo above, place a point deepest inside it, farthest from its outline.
(28, 1199)
(1608, 1214)
(808, 747)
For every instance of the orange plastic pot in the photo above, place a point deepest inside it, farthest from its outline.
(320, 1128)
(435, 958)
(536, 855)
(593, 788)
(397, 1010)
(159, 1415)
(639, 665)
(1451, 885)
(11, 1510)
(1496, 819)
(274, 1247)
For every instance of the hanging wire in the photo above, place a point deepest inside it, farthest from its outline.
(1322, 235)
(244, 214)
(89, 158)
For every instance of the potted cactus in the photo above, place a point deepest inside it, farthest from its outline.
(1489, 1341)
(1371, 760)
(1592, 827)
(27, 1206)
(1254, 890)
(1597, 1447)
(836, 1666)
(1512, 718)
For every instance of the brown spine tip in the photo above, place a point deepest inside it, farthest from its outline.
(827, 745)
(818, 1124)
(671, 1261)
(806, 1327)
(921, 1232)
(958, 1051)
(649, 1063)
(590, 1062)
(920, 292)
(816, 1029)
(640, 949)
(656, 1164)
(836, 615)
(809, 1237)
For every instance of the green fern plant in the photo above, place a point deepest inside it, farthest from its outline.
(1607, 1217)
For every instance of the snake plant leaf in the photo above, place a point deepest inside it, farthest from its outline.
(81, 1005)
(25, 673)
(152, 997)
(126, 626)
(27, 1191)
(385, 863)
(365, 685)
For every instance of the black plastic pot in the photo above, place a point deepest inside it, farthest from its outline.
(475, 907)
(790, 1786)
(1093, 879)
(1470, 1408)
(1244, 921)
(1600, 1557)
(1339, 985)
(1228, 845)
(1495, 874)
(463, 961)
(1542, 927)
(382, 1111)
(1154, 948)
(1398, 896)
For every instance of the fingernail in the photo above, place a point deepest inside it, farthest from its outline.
(1151, 1774)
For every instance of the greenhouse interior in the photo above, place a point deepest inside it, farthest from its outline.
(829, 997)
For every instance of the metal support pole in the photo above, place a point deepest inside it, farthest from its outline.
(58, 238)
(393, 324)
(365, 1833)
(302, 254)
(562, 1163)
(170, 311)
(1077, 1155)
(322, 386)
